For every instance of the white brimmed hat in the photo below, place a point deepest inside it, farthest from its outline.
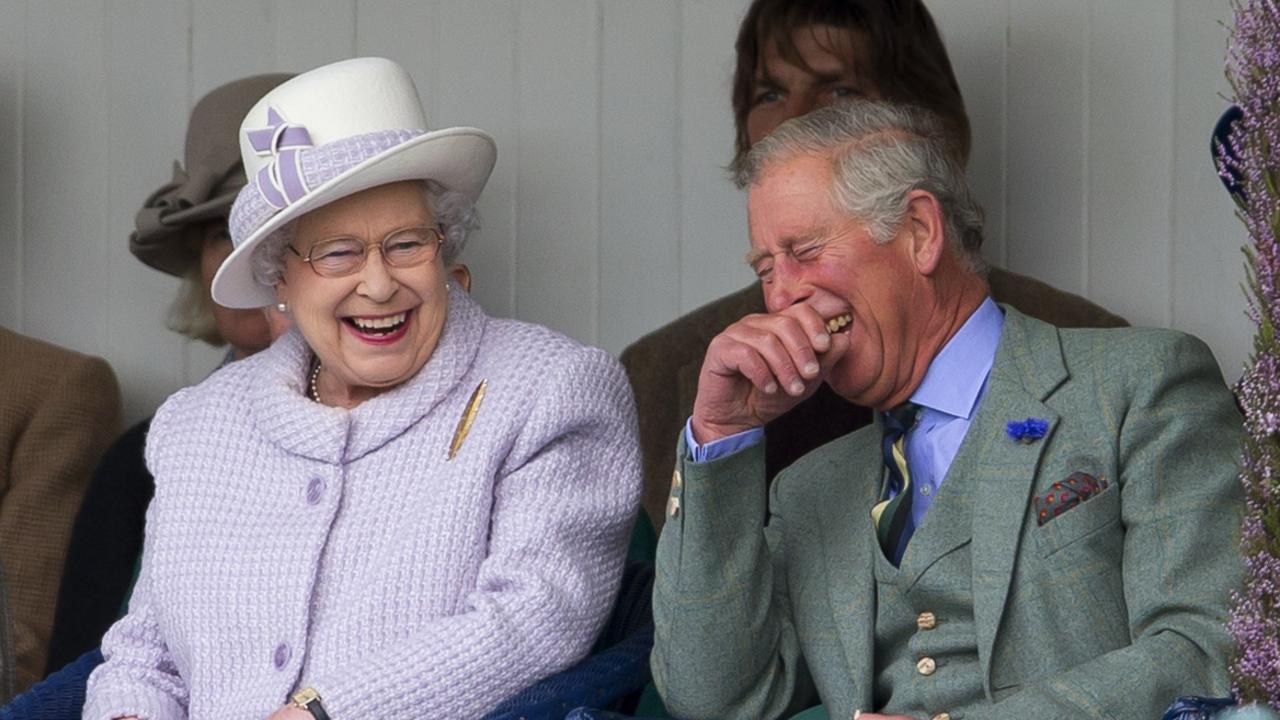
(330, 133)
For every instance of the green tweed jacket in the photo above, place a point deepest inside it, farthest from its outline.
(1108, 611)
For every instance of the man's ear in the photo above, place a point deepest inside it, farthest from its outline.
(926, 230)
(461, 274)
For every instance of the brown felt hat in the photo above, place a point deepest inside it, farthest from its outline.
(206, 183)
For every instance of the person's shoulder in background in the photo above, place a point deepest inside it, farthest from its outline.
(36, 370)
(59, 410)
(1045, 302)
(685, 339)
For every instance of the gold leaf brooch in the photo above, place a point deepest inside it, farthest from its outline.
(468, 417)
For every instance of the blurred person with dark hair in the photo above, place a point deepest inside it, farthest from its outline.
(794, 56)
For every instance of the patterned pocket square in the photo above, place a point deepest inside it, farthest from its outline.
(1066, 494)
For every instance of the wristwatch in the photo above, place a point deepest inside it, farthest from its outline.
(308, 699)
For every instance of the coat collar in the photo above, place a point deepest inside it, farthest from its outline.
(287, 417)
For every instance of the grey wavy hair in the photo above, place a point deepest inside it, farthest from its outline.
(455, 213)
(880, 152)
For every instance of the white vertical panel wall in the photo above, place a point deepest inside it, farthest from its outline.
(1204, 253)
(610, 211)
(1046, 110)
(145, 67)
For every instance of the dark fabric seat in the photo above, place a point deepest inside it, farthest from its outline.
(616, 671)
(59, 696)
(106, 544)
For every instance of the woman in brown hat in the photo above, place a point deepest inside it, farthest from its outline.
(182, 227)
(181, 230)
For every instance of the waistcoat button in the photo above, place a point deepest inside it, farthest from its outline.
(926, 666)
(673, 506)
(675, 481)
(927, 621)
(942, 716)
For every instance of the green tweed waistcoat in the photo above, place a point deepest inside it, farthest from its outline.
(926, 647)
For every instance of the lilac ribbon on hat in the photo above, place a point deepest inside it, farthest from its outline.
(280, 181)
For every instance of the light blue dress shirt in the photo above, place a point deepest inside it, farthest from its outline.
(952, 388)
(948, 396)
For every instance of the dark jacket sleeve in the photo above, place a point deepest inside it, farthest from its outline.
(106, 543)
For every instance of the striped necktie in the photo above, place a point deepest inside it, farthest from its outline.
(892, 516)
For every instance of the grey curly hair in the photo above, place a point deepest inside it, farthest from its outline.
(456, 214)
(880, 152)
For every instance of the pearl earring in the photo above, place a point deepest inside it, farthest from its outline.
(282, 307)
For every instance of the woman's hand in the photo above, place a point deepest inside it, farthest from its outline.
(290, 712)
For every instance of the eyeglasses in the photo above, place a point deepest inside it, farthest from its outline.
(341, 256)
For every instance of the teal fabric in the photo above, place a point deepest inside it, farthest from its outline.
(644, 540)
(1108, 611)
(816, 712)
(650, 704)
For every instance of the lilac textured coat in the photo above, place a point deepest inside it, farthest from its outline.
(294, 545)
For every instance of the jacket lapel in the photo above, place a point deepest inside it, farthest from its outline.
(1027, 369)
(848, 541)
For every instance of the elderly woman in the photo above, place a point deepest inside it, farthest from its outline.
(401, 509)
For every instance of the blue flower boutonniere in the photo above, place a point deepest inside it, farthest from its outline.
(1027, 431)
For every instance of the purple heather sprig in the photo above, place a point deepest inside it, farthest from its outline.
(1253, 67)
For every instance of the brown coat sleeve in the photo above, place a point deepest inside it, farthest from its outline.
(58, 413)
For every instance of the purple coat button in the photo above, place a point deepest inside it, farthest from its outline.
(315, 490)
(281, 656)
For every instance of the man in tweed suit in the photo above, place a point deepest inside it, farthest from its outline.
(1040, 523)
(794, 56)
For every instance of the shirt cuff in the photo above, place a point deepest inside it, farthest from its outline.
(723, 447)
